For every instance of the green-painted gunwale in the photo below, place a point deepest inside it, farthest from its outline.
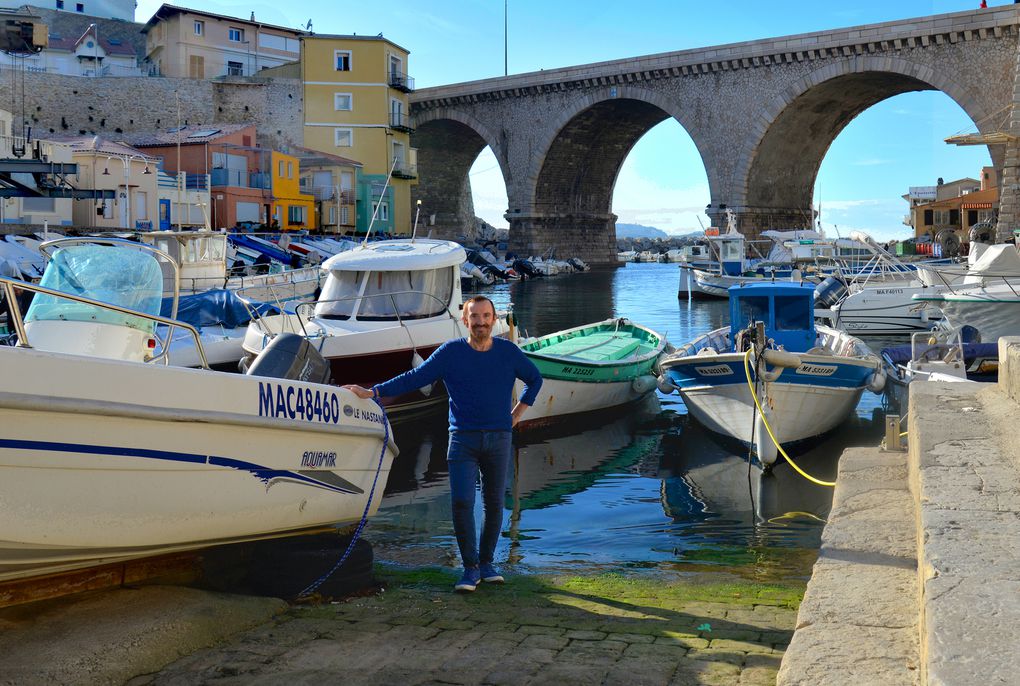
(607, 352)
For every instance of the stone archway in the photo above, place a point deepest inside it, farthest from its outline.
(565, 198)
(448, 142)
(777, 168)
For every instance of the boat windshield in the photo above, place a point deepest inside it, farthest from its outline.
(125, 277)
(387, 296)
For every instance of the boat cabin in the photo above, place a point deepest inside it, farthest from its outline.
(730, 247)
(395, 280)
(200, 255)
(786, 308)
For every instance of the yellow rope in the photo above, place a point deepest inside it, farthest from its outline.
(754, 396)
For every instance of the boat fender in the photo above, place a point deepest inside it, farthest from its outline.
(877, 381)
(417, 361)
(665, 385)
(764, 446)
(644, 384)
(781, 358)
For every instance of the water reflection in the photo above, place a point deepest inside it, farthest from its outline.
(648, 488)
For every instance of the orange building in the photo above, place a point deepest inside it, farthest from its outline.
(292, 209)
(241, 179)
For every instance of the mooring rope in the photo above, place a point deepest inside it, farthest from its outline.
(364, 515)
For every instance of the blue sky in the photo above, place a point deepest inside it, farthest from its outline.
(893, 145)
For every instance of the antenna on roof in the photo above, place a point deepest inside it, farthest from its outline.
(308, 26)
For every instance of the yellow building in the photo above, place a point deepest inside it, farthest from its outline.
(355, 98)
(195, 44)
(292, 210)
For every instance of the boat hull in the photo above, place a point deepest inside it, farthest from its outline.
(993, 315)
(885, 311)
(106, 460)
(560, 400)
(804, 402)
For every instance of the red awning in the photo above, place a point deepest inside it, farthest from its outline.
(977, 206)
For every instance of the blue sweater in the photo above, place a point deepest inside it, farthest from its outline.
(480, 384)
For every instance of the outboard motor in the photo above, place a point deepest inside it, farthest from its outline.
(829, 292)
(290, 356)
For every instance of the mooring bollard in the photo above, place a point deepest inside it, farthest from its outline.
(892, 433)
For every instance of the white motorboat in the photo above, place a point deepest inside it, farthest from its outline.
(385, 306)
(806, 379)
(876, 299)
(893, 298)
(107, 453)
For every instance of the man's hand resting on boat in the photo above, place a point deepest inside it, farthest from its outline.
(361, 392)
(515, 415)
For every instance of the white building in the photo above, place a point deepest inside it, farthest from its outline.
(109, 9)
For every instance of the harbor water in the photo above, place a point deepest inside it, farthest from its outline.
(647, 488)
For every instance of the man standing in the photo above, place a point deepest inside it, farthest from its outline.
(479, 373)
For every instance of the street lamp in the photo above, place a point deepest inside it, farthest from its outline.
(126, 161)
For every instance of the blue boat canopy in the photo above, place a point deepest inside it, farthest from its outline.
(786, 308)
(214, 308)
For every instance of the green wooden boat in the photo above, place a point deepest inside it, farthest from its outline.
(592, 367)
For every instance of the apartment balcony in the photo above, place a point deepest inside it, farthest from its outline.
(401, 82)
(405, 170)
(400, 122)
(328, 194)
(241, 178)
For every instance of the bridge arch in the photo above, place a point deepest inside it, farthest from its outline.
(601, 128)
(448, 141)
(775, 179)
(565, 196)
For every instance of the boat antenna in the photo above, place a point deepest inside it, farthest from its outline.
(375, 212)
(414, 229)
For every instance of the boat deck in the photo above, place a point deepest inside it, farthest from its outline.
(601, 346)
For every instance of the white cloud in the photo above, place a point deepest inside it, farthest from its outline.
(871, 162)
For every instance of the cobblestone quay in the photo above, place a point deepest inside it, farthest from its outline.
(606, 629)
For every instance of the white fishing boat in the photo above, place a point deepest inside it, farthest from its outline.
(385, 306)
(807, 379)
(590, 368)
(107, 453)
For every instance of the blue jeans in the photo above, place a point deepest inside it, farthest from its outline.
(471, 453)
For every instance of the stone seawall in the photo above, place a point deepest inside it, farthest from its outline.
(56, 104)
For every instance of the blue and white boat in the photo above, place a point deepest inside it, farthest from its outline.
(806, 378)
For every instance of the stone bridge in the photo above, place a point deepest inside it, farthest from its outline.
(761, 113)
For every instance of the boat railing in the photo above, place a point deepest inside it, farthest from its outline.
(11, 286)
(1010, 280)
(304, 312)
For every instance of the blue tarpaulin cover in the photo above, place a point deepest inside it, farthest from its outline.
(213, 308)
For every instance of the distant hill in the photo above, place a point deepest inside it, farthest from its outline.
(638, 231)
